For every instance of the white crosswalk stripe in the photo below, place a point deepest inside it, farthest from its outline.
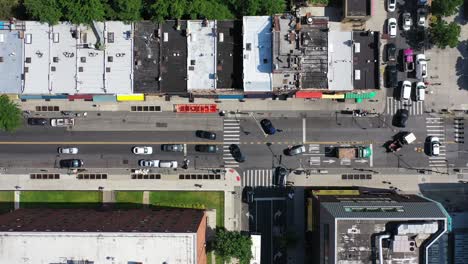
(256, 178)
(231, 135)
(435, 127)
(414, 108)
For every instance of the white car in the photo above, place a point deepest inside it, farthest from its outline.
(165, 163)
(146, 163)
(434, 149)
(407, 21)
(392, 27)
(142, 150)
(421, 66)
(68, 150)
(420, 91)
(405, 93)
(391, 5)
(421, 17)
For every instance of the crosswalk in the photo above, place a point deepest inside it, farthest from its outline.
(435, 127)
(459, 129)
(231, 135)
(414, 108)
(256, 178)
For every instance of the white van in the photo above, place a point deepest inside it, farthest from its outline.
(420, 91)
(421, 66)
(405, 93)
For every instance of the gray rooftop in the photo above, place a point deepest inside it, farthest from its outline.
(147, 38)
(340, 61)
(229, 54)
(201, 54)
(11, 64)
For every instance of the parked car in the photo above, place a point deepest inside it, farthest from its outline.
(295, 150)
(165, 163)
(434, 146)
(172, 147)
(62, 122)
(405, 92)
(407, 22)
(392, 27)
(71, 163)
(205, 134)
(401, 118)
(68, 150)
(280, 176)
(391, 5)
(408, 60)
(37, 121)
(421, 66)
(142, 150)
(420, 91)
(421, 16)
(206, 148)
(236, 153)
(146, 163)
(391, 52)
(392, 76)
(268, 127)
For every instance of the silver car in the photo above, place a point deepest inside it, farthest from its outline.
(68, 150)
(296, 150)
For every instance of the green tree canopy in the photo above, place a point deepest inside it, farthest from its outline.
(125, 10)
(444, 34)
(10, 114)
(84, 11)
(47, 11)
(232, 244)
(445, 7)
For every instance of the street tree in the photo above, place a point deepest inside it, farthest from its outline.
(10, 114)
(126, 10)
(233, 244)
(445, 7)
(444, 34)
(47, 11)
(83, 11)
(159, 10)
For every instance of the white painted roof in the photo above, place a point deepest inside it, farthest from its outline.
(37, 71)
(340, 61)
(201, 55)
(257, 61)
(63, 79)
(107, 248)
(11, 50)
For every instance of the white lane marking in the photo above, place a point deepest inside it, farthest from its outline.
(371, 158)
(185, 150)
(303, 130)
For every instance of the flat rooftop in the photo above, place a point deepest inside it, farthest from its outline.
(229, 54)
(358, 7)
(147, 37)
(36, 53)
(201, 54)
(340, 61)
(11, 62)
(367, 60)
(257, 38)
(173, 67)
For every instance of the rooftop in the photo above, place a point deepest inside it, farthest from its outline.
(173, 67)
(358, 7)
(11, 61)
(146, 48)
(201, 54)
(63, 63)
(340, 61)
(229, 54)
(36, 53)
(257, 38)
(367, 60)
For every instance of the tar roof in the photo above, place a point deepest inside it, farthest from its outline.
(257, 53)
(358, 7)
(11, 62)
(147, 38)
(229, 54)
(201, 55)
(173, 65)
(340, 64)
(367, 60)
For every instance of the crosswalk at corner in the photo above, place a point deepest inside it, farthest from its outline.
(231, 135)
(255, 178)
(435, 127)
(414, 108)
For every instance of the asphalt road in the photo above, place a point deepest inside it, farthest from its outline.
(37, 146)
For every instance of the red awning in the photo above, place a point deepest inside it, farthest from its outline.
(308, 94)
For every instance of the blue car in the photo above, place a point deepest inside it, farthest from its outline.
(268, 127)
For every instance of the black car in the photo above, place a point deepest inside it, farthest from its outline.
(400, 118)
(205, 134)
(71, 163)
(236, 153)
(248, 194)
(280, 176)
(206, 148)
(391, 52)
(392, 76)
(268, 127)
(37, 121)
(172, 147)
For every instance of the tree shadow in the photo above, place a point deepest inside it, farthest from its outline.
(460, 18)
(461, 66)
